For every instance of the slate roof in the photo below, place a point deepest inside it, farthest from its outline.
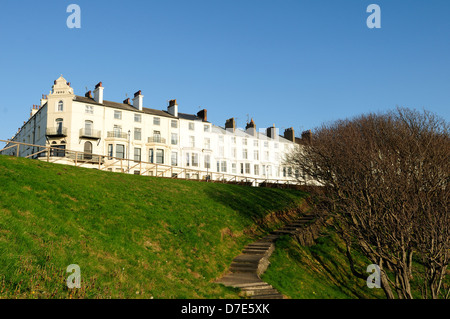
(123, 106)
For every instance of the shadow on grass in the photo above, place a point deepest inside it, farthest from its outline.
(254, 203)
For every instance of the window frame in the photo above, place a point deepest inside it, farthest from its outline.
(110, 151)
(60, 106)
(159, 156)
(207, 161)
(195, 159)
(172, 158)
(89, 127)
(137, 130)
(151, 156)
(207, 143)
(89, 109)
(174, 138)
(117, 151)
(244, 153)
(117, 115)
(139, 155)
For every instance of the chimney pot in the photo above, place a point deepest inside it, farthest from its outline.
(99, 84)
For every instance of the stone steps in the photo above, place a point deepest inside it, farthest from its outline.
(245, 269)
(269, 296)
(254, 251)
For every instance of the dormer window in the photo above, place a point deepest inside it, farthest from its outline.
(60, 106)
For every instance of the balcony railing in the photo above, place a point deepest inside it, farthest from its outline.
(156, 139)
(84, 157)
(90, 133)
(116, 134)
(56, 131)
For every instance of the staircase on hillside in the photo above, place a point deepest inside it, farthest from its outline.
(246, 269)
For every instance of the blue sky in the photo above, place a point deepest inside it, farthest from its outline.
(288, 62)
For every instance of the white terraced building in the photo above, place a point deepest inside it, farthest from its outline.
(128, 137)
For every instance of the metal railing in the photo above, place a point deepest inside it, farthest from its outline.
(84, 157)
(56, 131)
(117, 134)
(90, 133)
(156, 139)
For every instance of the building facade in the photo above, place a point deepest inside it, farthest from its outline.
(92, 125)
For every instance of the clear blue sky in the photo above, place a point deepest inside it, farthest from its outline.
(288, 62)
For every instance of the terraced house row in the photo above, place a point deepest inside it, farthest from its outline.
(150, 141)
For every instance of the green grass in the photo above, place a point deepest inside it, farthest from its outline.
(132, 236)
(321, 271)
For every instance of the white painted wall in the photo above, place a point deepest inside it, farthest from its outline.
(226, 146)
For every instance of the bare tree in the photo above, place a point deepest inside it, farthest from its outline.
(385, 179)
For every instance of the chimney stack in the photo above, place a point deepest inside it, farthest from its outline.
(34, 110)
(173, 108)
(43, 100)
(230, 124)
(138, 100)
(307, 137)
(127, 101)
(270, 131)
(250, 128)
(88, 94)
(203, 115)
(98, 93)
(289, 134)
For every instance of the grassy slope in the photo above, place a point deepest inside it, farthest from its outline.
(323, 271)
(320, 271)
(132, 236)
